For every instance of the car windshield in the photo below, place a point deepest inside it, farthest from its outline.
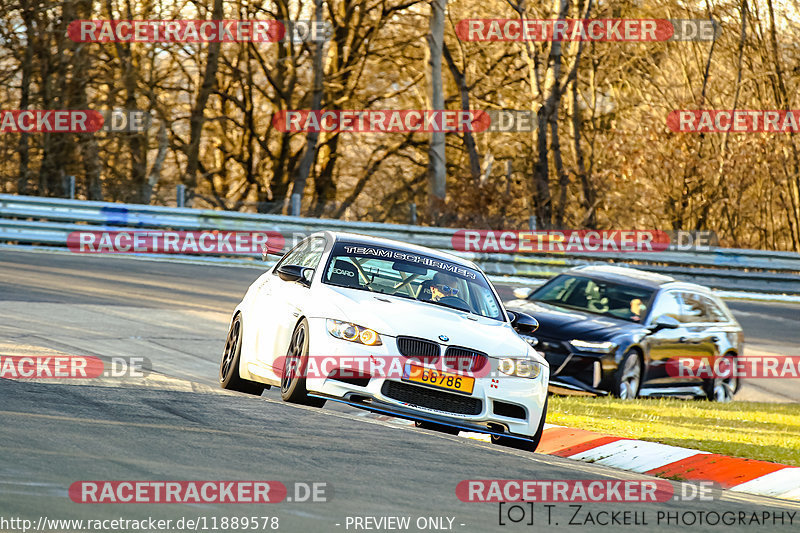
(413, 276)
(628, 302)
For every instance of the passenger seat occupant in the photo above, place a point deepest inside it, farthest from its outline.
(344, 273)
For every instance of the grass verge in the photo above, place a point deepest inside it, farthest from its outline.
(765, 431)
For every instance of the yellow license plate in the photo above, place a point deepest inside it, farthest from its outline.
(439, 379)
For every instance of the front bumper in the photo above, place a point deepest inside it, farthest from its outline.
(499, 404)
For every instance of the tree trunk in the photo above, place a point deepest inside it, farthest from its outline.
(25, 88)
(436, 154)
(589, 192)
(310, 153)
(57, 147)
(87, 142)
(197, 118)
(469, 140)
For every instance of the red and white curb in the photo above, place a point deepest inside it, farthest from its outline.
(672, 462)
(661, 460)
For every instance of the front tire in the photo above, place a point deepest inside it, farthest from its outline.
(628, 377)
(524, 444)
(229, 365)
(722, 389)
(293, 382)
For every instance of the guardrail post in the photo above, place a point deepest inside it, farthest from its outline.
(532, 222)
(295, 207)
(413, 213)
(71, 187)
(180, 195)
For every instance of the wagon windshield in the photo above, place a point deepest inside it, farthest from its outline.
(628, 302)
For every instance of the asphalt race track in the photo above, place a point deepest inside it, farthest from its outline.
(175, 424)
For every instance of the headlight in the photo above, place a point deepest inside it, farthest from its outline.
(353, 333)
(598, 347)
(521, 368)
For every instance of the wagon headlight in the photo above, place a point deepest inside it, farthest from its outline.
(596, 347)
(353, 333)
(521, 368)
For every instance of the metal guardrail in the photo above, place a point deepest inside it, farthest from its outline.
(38, 220)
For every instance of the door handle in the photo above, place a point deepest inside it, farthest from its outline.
(682, 340)
(714, 338)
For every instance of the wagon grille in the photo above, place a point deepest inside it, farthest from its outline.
(432, 399)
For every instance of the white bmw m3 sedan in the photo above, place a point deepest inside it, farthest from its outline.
(392, 328)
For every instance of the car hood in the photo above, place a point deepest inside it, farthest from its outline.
(562, 323)
(393, 316)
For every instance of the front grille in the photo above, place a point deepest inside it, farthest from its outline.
(564, 363)
(432, 399)
(424, 351)
(464, 359)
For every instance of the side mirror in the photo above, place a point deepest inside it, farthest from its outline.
(297, 273)
(522, 293)
(664, 322)
(523, 322)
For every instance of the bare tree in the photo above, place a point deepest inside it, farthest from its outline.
(436, 154)
(198, 111)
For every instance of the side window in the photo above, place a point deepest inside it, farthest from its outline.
(313, 253)
(484, 300)
(695, 308)
(714, 312)
(307, 253)
(669, 304)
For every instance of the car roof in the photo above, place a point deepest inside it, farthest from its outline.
(641, 278)
(368, 240)
(622, 274)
